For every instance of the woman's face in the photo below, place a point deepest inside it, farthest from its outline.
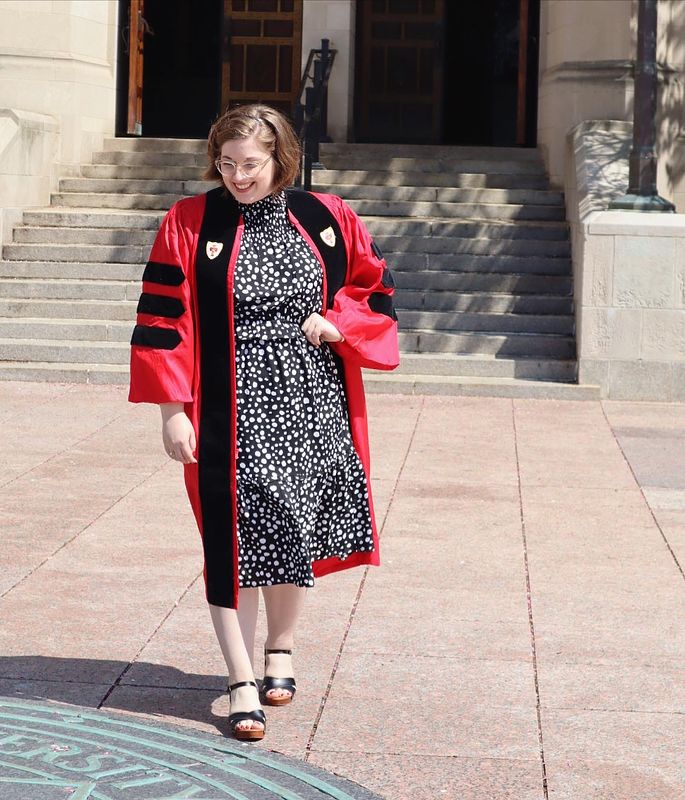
(248, 154)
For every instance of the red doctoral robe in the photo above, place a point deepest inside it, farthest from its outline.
(183, 348)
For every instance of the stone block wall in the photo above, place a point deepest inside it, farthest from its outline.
(629, 275)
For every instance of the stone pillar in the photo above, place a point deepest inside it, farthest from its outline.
(334, 20)
(57, 77)
(587, 49)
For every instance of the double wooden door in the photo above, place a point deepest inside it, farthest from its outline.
(446, 71)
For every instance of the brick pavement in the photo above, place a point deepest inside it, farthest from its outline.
(523, 639)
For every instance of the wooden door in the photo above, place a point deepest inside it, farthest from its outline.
(399, 70)
(136, 27)
(261, 54)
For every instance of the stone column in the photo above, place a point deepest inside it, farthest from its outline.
(57, 79)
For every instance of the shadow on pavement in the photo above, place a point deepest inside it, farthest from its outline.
(94, 683)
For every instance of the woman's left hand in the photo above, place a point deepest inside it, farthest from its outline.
(317, 329)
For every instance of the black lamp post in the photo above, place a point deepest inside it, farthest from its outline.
(642, 194)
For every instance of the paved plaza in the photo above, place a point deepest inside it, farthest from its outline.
(524, 638)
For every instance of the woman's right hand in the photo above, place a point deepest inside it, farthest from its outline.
(178, 434)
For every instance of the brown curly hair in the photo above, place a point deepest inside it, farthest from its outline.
(273, 132)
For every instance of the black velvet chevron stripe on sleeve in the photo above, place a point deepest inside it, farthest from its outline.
(387, 280)
(381, 303)
(160, 338)
(164, 274)
(160, 306)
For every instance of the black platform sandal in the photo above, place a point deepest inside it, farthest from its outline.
(250, 734)
(270, 683)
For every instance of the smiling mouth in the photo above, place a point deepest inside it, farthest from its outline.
(241, 187)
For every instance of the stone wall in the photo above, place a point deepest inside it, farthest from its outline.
(58, 60)
(629, 274)
(334, 20)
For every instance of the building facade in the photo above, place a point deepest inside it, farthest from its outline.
(551, 74)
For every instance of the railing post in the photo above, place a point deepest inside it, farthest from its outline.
(308, 112)
(310, 116)
(325, 55)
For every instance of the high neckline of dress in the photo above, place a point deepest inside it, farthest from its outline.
(271, 206)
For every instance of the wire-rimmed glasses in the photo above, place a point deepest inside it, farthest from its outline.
(249, 169)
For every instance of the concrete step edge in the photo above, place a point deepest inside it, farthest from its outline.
(473, 385)
(72, 343)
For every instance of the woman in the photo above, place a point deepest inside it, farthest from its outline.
(260, 305)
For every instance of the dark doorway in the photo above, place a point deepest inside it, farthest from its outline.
(182, 72)
(199, 56)
(182, 67)
(482, 62)
(434, 71)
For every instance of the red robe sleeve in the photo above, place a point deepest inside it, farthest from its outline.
(362, 309)
(162, 345)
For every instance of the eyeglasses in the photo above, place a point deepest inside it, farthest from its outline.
(249, 168)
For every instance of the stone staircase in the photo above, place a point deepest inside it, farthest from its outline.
(477, 242)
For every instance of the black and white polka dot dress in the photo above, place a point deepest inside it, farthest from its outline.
(302, 493)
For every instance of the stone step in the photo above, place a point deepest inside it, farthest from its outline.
(83, 330)
(429, 280)
(459, 228)
(545, 264)
(140, 144)
(452, 162)
(348, 191)
(327, 180)
(391, 383)
(67, 309)
(448, 210)
(117, 235)
(71, 270)
(492, 366)
(14, 370)
(113, 200)
(330, 179)
(519, 283)
(153, 159)
(485, 322)
(433, 194)
(128, 254)
(93, 218)
(530, 345)
(142, 172)
(199, 146)
(391, 208)
(133, 186)
(427, 227)
(377, 382)
(428, 248)
(44, 234)
(374, 150)
(449, 164)
(65, 351)
(481, 302)
(26, 289)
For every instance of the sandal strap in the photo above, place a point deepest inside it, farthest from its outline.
(269, 683)
(233, 686)
(286, 652)
(242, 716)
